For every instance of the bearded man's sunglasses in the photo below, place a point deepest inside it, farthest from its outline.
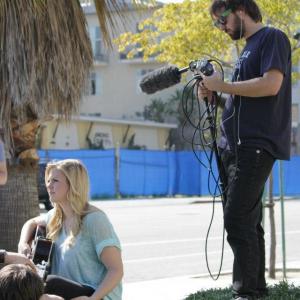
(222, 19)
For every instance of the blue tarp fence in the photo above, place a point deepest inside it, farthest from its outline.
(158, 173)
(100, 166)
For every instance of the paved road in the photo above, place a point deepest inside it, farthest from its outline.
(164, 238)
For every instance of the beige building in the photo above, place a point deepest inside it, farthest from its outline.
(108, 111)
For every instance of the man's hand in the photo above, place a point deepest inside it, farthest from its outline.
(213, 82)
(50, 297)
(204, 93)
(17, 258)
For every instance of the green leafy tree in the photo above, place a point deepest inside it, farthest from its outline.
(171, 110)
(184, 32)
(155, 111)
(167, 110)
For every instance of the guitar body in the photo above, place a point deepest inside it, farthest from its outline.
(41, 252)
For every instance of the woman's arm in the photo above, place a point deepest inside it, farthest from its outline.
(111, 258)
(3, 173)
(3, 169)
(27, 232)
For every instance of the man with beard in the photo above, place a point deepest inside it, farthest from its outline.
(255, 131)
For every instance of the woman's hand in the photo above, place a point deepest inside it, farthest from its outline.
(24, 248)
(82, 298)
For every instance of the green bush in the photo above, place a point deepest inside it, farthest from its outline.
(281, 291)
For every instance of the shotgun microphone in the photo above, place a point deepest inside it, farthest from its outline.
(167, 76)
(161, 79)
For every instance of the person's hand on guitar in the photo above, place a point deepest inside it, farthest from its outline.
(24, 248)
(25, 245)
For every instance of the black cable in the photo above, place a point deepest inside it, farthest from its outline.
(206, 131)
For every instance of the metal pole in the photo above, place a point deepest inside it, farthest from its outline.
(282, 218)
(117, 170)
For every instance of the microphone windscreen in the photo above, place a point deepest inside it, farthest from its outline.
(160, 79)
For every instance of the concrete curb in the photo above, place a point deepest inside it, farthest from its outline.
(178, 288)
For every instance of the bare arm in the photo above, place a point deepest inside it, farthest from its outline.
(27, 232)
(3, 169)
(111, 258)
(3, 172)
(17, 258)
(267, 85)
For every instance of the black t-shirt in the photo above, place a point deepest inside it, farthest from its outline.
(263, 121)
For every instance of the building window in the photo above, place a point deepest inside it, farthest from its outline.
(94, 85)
(97, 44)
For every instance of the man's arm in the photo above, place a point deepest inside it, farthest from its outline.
(268, 85)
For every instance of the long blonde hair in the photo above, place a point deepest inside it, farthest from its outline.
(78, 196)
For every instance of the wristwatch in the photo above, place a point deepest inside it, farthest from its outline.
(2, 256)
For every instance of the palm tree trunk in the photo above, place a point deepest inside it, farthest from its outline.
(19, 202)
(19, 197)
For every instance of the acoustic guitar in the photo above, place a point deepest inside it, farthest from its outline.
(41, 249)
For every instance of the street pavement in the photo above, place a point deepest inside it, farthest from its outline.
(138, 223)
(178, 288)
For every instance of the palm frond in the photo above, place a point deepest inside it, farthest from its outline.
(105, 11)
(108, 10)
(45, 58)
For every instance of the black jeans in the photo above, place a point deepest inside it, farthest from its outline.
(246, 175)
(66, 288)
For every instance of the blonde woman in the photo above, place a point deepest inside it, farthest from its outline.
(86, 261)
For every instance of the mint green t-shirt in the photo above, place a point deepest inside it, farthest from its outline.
(81, 262)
